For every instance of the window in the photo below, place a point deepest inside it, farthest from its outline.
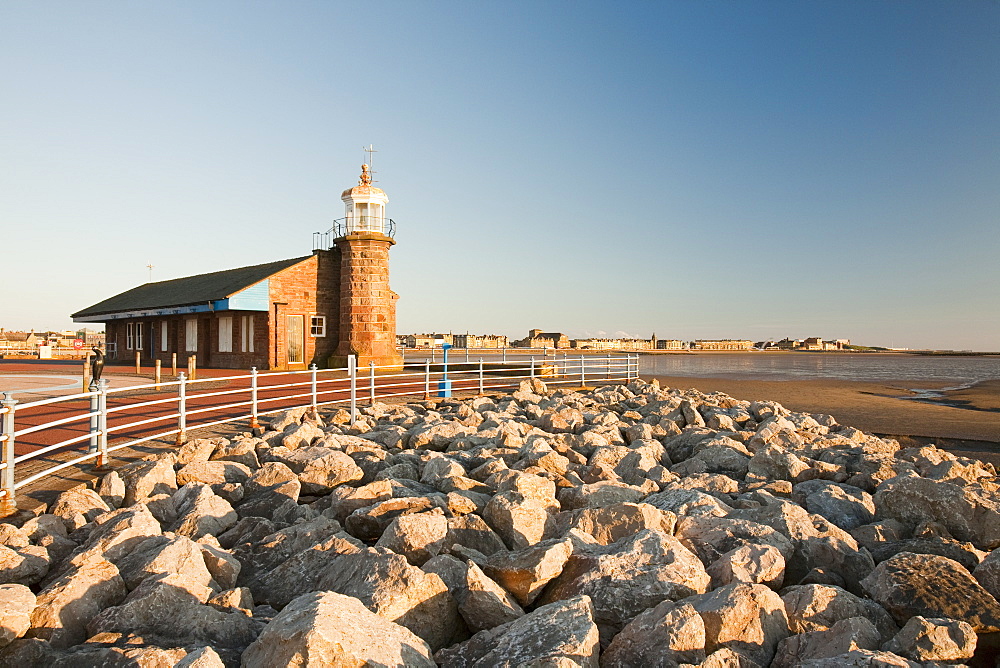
(191, 335)
(226, 334)
(317, 325)
(129, 336)
(163, 336)
(246, 333)
(138, 336)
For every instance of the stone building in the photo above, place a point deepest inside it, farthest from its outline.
(318, 308)
(614, 344)
(721, 344)
(538, 339)
(480, 341)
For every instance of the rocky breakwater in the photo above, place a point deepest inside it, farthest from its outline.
(625, 526)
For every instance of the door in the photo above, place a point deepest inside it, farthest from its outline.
(295, 327)
(205, 342)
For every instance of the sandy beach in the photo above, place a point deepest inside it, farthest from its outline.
(964, 421)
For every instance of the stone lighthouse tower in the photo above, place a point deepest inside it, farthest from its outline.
(367, 305)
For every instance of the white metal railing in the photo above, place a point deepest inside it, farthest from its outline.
(141, 413)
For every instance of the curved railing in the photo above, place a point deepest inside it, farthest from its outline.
(41, 438)
(354, 225)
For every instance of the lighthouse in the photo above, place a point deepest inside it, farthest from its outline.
(367, 305)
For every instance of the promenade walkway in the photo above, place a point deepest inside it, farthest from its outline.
(31, 381)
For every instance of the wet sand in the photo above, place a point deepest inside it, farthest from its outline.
(966, 421)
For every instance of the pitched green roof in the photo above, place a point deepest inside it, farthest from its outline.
(188, 290)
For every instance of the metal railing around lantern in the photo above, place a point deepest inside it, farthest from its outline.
(354, 225)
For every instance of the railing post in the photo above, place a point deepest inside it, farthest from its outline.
(95, 418)
(427, 379)
(173, 364)
(583, 373)
(352, 371)
(312, 382)
(480, 376)
(102, 457)
(505, 354)
(157, 374)
(532, 366)
(138, 363)
(466, 352)
(254, 423)
(181, 408)
(9, 502)
(371, 383)
(607, 375)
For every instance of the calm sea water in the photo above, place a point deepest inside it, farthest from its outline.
(912, 369)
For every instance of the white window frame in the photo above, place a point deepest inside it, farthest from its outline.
(191, 335)
(317, 326)
(163, 336)
(138, 335)
(129, 336)
(226, 334)
(246, 333)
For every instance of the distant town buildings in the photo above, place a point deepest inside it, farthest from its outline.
(537, 338)
(62, 343)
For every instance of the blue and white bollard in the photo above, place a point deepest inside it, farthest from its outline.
(444, 386)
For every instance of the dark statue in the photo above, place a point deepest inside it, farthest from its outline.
(97, 365)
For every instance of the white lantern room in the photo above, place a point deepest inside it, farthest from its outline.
(365, 206)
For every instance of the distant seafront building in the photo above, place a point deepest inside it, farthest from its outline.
(318, 308)
(811, 343)
(480, 341)
(721, 344)
(466, 340)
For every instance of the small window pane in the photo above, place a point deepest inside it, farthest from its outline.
(318, 325)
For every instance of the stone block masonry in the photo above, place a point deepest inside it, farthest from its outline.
(367, 304)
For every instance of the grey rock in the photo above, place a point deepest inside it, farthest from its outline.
(931, 586)
(559, 634)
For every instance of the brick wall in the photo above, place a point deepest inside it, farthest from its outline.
(310, 288)
(367, 305)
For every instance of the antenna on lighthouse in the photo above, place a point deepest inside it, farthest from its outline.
(369, 150)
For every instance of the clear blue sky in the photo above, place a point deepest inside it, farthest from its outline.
(698, 169)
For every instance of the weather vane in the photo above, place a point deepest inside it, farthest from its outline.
(150, 267)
